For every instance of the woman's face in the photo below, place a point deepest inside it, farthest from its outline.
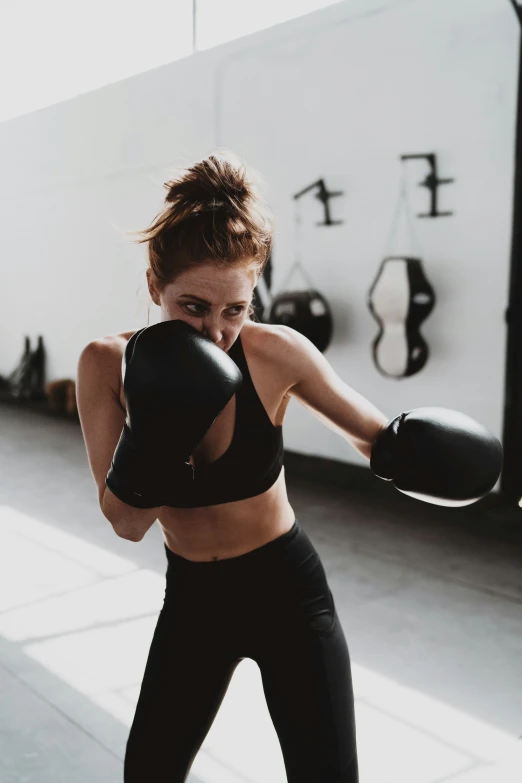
(212, 299)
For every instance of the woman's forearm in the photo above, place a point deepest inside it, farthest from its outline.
(128, 522)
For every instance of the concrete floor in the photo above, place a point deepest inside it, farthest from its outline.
(430, 600)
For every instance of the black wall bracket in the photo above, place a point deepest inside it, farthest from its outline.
(431, 182)
(324, 195)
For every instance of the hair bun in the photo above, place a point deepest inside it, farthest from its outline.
(214, 211)
(217, 183)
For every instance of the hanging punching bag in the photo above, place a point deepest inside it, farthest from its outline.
(307, 312)
(400, 299)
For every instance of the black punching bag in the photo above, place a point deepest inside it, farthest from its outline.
(307, 312)
(400, 299)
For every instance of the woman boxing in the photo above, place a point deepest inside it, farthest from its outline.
(183, 424)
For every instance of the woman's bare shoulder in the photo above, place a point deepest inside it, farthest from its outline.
(115, 342)
(103, 356)
(270, 341)
(274, 347)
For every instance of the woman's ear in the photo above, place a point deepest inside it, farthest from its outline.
(152, 289)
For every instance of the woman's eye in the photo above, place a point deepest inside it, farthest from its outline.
(234, 311)
(194, 304)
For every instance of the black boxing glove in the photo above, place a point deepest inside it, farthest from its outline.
(439, 456)
(176, 383)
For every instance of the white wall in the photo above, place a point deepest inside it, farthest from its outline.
(339, 94)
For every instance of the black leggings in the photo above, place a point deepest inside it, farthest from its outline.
(272, 605)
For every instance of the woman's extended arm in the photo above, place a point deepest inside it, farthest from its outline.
(316, 385)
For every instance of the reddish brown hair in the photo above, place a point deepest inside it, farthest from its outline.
(214, 214)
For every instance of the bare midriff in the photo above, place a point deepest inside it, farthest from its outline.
(229, 529)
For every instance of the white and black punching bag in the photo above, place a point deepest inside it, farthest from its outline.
(400, 299)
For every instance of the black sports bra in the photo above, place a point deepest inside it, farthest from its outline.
(252, 462)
